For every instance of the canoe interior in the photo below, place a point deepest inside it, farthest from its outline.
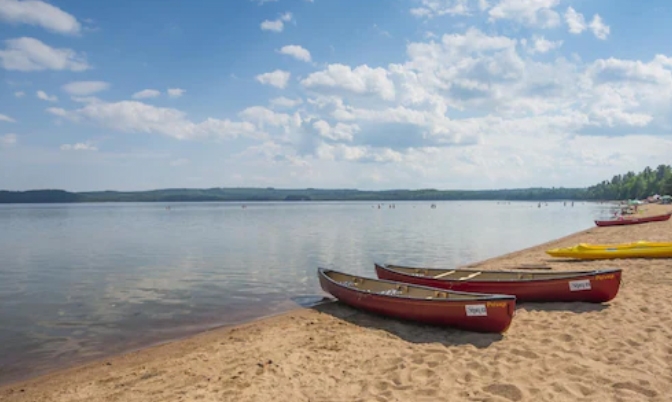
(398, 289)
(473, 275)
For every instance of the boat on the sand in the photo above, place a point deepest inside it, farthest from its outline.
(640, 249)
(595, 286)
(467, 311)
(634, 221)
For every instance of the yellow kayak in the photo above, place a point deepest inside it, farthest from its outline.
(640, 249)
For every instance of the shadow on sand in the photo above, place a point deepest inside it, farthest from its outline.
(573, 307)
(408, 331)
(421, 333)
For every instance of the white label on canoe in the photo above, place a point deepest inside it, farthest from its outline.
(576, 286)
(476, 310)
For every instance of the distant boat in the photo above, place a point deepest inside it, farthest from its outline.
(634, 221)
(640, 249)
(596, 286)
(468, 311)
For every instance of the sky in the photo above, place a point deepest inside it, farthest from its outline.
(375, 94)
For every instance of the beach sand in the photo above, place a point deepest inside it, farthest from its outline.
(619, 351)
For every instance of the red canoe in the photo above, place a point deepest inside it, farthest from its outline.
(634, 221)
(468, 311)
(587, 286)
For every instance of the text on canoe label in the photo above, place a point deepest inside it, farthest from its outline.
(476, 310)
(575, 286)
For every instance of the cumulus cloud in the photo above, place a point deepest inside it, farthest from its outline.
(19, 94)
(361, 80)
(39, 13)
(277, 25)
(175, 92)
(30, 54)
(575, 21)
(502, 106)
(297, 52)
(543, 45)
(339, 132)
(146, 93)
(534, 13)
(5, 118)
(138, 117)
(599, 28)
(283, 102)
(84, 88)
(49, 98)
(277, 78)
(435, 8)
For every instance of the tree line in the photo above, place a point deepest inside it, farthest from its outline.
(628, 186)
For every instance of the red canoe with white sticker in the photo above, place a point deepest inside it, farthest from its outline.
(467, 311)
(596, 286)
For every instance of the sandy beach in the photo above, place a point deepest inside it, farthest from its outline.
(618, 351)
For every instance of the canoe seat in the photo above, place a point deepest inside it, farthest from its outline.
(440, 294)
(402, 288)
(444, 274)
(464, 278)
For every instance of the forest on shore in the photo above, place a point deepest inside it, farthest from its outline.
(621, 187)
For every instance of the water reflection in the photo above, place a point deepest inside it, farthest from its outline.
(85, 280)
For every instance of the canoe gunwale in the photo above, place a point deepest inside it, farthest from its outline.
(474, 297)
(633, 221)
(570, 275)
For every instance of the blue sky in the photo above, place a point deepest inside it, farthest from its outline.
(371, 94)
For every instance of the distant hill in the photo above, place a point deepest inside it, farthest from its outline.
(270, 194)
(628, 186)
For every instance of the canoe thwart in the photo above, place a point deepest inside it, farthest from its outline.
(464, 278)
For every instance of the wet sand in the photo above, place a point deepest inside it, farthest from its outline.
(618, 351)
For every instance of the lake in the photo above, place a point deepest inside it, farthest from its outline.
(81, 281)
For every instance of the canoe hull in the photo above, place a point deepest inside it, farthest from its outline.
(596, 287)
(634, 221)
(489, 314)
(642, 249)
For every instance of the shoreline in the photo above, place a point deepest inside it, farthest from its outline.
(113, 374)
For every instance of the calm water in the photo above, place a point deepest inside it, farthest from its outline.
(82, 281)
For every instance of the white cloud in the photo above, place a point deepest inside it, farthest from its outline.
(5, 118)
(84, 88)
(175, 92)
(8, 140)
(19, 94)
(264, 118)
(435, 8)
(277, 78)
(146, 93)
(29, 54)
(297, 52)
(49, 98)
(535, 13)
(138, 117)
(361, 80)
(339, 132)
(599, 28)
(575, 21)
(39, 13)
(276, 25)
(80, 146)
(283, 102)
(543, 45)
